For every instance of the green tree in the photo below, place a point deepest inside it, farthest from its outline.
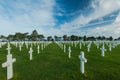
(111, 38)
(84, 38)
(41, 36)
(34, 35)
(20, 36)
(49, 38)
(65, 37)
(10, 37)
(74, 38)
(2, 36)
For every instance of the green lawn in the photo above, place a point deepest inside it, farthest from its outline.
(53, 64)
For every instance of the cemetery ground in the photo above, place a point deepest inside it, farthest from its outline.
(53, 64)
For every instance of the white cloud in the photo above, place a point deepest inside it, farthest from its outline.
(117, 18)
(108, 30)
(101, 9)
(40, 16)
(24, 16)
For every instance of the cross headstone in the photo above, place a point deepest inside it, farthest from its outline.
(8, 48)
(9, 64)
(41, 46)
(110, 47)
(20, 45)
(88, 47)
(83, 60)
(30, 52)
(103, 50)
(69, 51)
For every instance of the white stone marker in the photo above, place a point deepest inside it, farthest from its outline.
(88, 48)
(69, 51)
(41, 46)
(38, 48)
(83, 60)
(30, 52)
(103, 50)
(8, 48)
(20, 45)
(9, 64)
(110, 47)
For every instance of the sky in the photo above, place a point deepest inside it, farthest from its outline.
(61, 17)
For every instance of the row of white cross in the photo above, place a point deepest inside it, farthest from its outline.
(81, 56)
(10, 60)
(88, 48)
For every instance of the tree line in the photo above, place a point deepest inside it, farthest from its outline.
(35, 36)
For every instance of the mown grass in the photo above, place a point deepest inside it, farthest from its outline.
(53, 64)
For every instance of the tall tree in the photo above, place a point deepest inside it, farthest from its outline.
(74, 38)
(49, 38)
(84, 38)
(65, 37)
(20, 36)
(41, 36)
(34, 35)
(56, 38)
(111, 38)
(2, 36)
(10, 37)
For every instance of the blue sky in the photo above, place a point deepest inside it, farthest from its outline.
(59, 17)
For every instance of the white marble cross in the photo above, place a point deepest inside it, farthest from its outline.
(88, 47)
(110, 47)
(9, 64)
(83, 60)
(103, 50)
(20, 45)
(38, 48)
(69, 51)
(41, 46)
(8, 48)
(30, 52)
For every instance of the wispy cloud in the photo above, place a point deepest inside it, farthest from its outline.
(26, 15)
(101, 8)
